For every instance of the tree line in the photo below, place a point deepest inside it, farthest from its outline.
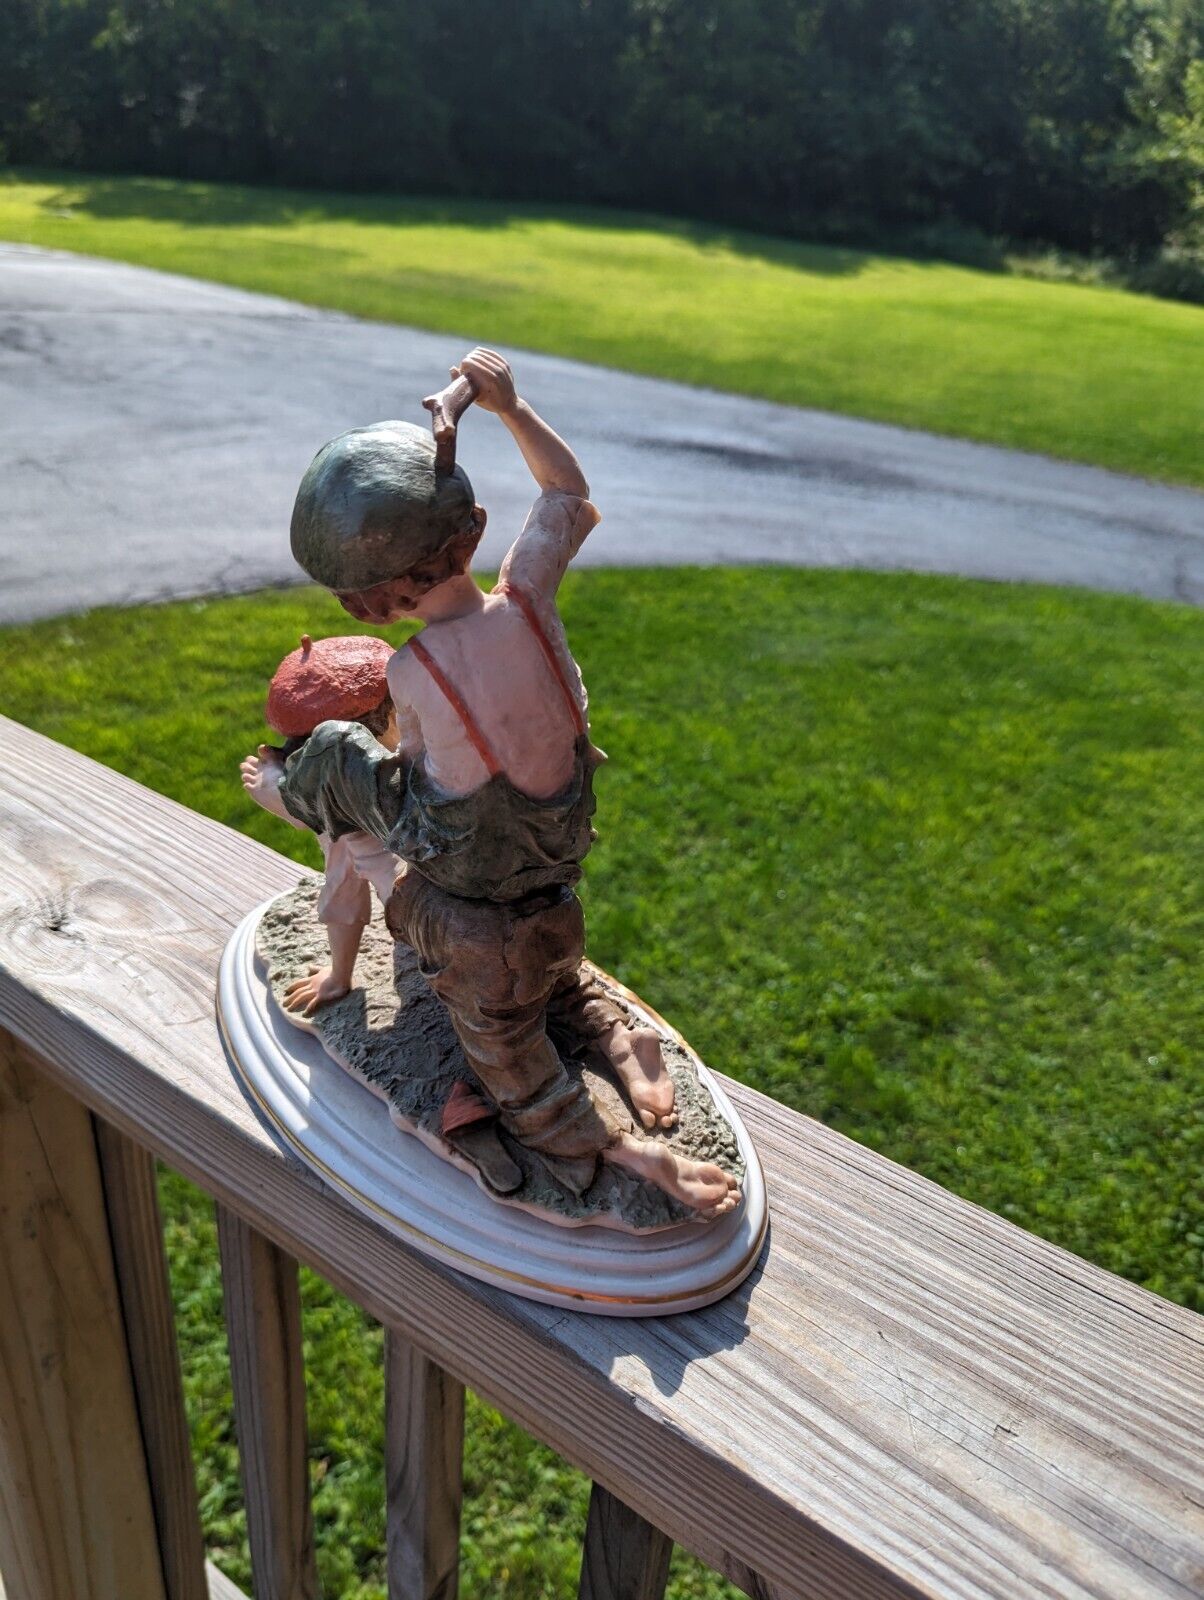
(1072, 123)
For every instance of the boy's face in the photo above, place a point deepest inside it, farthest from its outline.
(402, 597)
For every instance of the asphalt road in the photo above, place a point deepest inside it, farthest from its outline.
(153, 430)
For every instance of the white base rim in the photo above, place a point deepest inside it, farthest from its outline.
(341, 1130)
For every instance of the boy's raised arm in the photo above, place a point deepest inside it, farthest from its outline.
(551, 537)
(553, 465)
(555, 530)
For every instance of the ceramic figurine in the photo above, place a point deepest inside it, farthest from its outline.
(456, 776)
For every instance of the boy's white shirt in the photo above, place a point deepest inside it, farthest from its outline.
(557, 526)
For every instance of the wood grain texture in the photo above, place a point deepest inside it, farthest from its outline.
(136, 1229)
(424, 1453)
(624, 1556)
(263, 1327)
(910, 1397)
(76, 1521)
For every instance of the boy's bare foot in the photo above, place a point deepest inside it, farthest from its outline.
(702, 1185)
(635, 1054)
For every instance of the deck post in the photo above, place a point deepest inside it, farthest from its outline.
(76, 1515)
(136, 1228)
(625, 1557)
(263, 1326)
(424, 1448)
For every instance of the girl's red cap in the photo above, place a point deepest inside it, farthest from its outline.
(340, 679)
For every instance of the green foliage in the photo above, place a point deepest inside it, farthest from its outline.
(1180, 148)
(914, 855)
(1088, 373)
(1166, 146)
(1033, 120)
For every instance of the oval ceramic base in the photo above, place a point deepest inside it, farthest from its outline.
(338, 1127)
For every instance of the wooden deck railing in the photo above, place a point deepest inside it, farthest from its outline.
(909, 1397)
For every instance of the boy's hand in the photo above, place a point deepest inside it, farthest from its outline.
(493, 378)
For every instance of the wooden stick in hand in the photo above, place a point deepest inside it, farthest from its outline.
(446, 409)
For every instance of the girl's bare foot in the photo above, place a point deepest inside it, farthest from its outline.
(635, 1054)
(702, 1185)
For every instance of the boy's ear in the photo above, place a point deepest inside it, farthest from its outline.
(461, 549)
(468, 541)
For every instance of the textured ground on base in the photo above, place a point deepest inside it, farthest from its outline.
(394, 1032)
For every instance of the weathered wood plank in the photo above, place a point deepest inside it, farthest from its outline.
(263, 1327)
(912, 1397)
(136, 1228)
(76, 1521)
(624, 1557)
(424, 1451)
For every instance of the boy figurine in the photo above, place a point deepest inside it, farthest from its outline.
(489, 799)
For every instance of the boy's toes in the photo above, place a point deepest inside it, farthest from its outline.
(648, 1118)
(726, 1203)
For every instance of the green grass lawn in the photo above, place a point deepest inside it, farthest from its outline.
(917, 856)
(1088, 373)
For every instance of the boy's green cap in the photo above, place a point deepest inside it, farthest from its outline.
(371, 506)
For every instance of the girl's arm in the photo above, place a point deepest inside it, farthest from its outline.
(344, 907)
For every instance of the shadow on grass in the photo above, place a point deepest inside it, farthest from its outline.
(218, 205)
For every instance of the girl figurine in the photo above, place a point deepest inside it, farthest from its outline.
(342, 679)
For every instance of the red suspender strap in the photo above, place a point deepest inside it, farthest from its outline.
(475, 737)
(523, 601)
